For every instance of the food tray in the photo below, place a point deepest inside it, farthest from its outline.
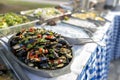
(45, 13)
(91, 17)
(13, 29)
(69, 30)
(81, 23)
(48, 71)
(13, 22)
(53, 73)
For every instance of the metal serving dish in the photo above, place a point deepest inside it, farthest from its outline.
(93, 17)
(13, 29)
(81, 23)
(47, 14)
(42, 72)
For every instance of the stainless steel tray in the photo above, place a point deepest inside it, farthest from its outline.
(81, 23)
(97, 22)
(40, 72)
(13, 29)
(44, 18)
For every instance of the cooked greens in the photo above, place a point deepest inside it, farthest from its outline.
(41, 49)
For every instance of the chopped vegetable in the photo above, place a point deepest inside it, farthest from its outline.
(43, 49)
(11, 19)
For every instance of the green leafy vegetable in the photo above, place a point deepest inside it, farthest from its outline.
(11, 19)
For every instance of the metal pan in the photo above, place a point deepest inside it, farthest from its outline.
(41, 72)
(97, 22)
(82, 24)
(15, 28)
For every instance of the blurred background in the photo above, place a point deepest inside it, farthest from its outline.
(18, 5)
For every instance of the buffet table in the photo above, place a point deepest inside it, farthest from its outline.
(97, 67)
(98, 64)
(91, 61)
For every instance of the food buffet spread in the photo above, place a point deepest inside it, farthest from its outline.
(46, 50)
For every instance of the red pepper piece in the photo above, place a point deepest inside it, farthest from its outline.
(49, 37)
(41, 50)
(36, 55)
(32, 29)
(30, 54)
(39, 36)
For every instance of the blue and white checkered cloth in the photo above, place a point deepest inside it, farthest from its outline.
(113, 43)
(98, 65)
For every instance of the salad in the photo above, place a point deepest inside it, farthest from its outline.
(11, 19)
(47, 12)
(44, 13)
